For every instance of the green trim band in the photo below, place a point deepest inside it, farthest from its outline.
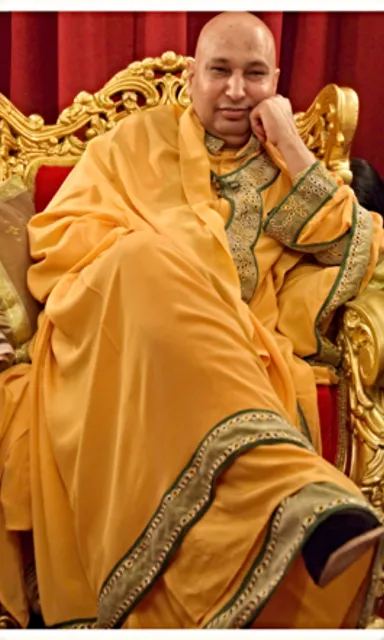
(291, 525)
(77, 623)
(286, 221)
(184, 504)
(347, 284)
(242, 188)
(304, 426)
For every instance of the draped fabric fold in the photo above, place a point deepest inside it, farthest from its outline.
(170, 426)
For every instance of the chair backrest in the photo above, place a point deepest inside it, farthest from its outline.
(26, 143)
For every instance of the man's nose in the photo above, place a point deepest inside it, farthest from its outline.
(235, 87)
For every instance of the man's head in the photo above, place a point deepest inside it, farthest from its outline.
(234, 69)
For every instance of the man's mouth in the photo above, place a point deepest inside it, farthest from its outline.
(234, 108)
(234, 113)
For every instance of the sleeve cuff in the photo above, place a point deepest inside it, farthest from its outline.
(311, 189)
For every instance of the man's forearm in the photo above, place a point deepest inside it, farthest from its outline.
(297, 156)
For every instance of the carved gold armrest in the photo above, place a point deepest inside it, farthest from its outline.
(362, 339)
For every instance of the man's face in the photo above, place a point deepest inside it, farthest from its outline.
(232, 73)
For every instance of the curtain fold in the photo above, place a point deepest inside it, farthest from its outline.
(49, 57)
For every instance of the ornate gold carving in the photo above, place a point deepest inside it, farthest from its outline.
(328, 127)
(27, 142)
(362, 340)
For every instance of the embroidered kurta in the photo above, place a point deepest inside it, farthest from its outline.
(173, 477)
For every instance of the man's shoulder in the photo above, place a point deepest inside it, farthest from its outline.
(147, 127)
(162, 117)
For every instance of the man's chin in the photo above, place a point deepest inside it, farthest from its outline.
(227, 130)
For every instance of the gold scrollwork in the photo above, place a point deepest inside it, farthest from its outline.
(328, 127)
(362, 339)
(27, 142)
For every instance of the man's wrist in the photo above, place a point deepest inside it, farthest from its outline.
(297, 156)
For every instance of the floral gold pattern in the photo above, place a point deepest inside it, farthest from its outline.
(242, 189)
(363, 365)
(286, 221)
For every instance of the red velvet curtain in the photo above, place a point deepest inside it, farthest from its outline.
(47, 58)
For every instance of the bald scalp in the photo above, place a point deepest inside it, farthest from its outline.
(232, 27)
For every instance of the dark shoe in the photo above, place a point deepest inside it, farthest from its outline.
(338, 542)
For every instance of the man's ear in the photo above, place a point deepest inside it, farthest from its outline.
(190, 76)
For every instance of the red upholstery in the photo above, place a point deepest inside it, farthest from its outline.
(49, 179)
(329, 420)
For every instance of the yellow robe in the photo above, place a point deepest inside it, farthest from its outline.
(169, 484)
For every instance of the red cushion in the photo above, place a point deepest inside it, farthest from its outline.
(48, 181)
(329, 420)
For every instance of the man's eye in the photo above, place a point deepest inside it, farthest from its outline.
(256, 73)
(219, 69)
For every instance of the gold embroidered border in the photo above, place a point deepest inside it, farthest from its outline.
(242, 189)
(311, 192)
(348, 281)
(334, 254)
(186, 502)
(299, 176)
(291, 525)
(304, 429)
(352, 251)
(88, 623)
(216, 145)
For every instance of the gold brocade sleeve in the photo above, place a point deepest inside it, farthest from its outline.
(318, 216)
(321, 218)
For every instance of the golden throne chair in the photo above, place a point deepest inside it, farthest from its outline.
(352, 414)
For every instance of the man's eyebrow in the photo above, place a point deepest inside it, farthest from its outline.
(254, 63)
(219, 61)
(258, 63)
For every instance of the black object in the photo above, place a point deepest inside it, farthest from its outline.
(333, 533)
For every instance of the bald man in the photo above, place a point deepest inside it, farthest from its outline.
(190, 268)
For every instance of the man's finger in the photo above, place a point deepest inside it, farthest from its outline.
(259, 131)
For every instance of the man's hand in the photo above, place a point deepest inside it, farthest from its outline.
(272, 122)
